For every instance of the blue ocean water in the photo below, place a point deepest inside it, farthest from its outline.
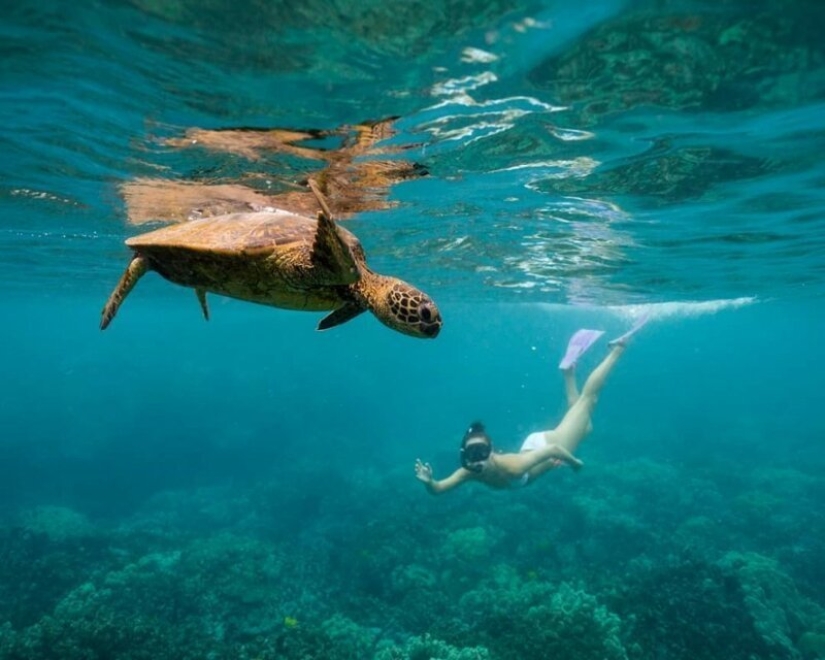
(244, 488)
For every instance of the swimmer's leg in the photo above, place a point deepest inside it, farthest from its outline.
(576, 424)
(627, 336)
(571, 389)
(579, 344)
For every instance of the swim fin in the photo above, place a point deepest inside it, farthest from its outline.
(578, 345)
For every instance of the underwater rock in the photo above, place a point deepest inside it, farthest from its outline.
(687, 607)
(779, 612)
(811, 644)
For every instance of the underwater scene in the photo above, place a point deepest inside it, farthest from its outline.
(435, 330)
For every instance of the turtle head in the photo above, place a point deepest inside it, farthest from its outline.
(400, 306)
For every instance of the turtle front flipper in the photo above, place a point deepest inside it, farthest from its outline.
(340, 315)
(134, 271)
(332, 259)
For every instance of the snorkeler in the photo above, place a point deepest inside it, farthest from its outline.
(541, 451)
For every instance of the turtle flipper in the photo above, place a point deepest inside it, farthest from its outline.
(340, 315)
(201, 293)
(134, 271)
(331, 257)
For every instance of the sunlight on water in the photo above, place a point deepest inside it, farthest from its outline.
(679, 310)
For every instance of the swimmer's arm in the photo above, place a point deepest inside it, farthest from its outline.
(560, 453)
(518, 464)
(424, 473)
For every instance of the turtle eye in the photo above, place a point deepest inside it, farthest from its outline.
(425, 312)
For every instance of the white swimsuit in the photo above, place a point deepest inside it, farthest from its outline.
(531, 442)
(534, 441)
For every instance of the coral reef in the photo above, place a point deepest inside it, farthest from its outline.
(538, 619)
(626, 568)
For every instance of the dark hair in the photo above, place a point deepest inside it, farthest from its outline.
(476, 428)
(476, 452)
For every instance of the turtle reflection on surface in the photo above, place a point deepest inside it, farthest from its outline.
(355, 176)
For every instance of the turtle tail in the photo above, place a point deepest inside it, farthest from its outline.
(134, 271)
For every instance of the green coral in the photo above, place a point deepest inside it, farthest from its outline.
(57, 523)
(430, 648)
(539, 619)
(411, 577)
(468, 545)
(349, 638)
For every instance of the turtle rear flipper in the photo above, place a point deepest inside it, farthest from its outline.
(134, 271)
(201, 293)
(332, 259)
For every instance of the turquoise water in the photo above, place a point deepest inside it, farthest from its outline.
(244, 488)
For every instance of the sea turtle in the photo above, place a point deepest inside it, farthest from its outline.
(277, 258)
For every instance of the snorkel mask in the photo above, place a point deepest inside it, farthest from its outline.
(476, 448)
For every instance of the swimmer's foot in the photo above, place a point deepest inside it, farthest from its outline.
(627, 336)
(578, 345)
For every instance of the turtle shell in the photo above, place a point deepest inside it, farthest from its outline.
(271, 257)
(242, 234)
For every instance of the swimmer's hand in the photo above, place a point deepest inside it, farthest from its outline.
(565, 456)
(423, 471)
